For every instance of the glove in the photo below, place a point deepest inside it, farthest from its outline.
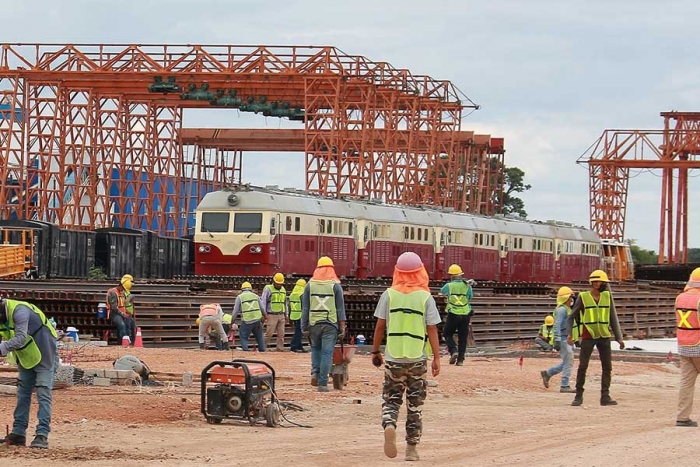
(557, 346)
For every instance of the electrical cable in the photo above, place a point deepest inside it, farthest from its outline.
(282, 404)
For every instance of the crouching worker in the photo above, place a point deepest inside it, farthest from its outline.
(545, 338)
(120, 311)
(211, 316)
(408, 313)
(31, 338)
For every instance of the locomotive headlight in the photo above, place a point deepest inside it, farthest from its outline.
(204, 249)
(256, 249)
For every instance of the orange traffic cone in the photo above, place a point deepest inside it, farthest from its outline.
(139, 339)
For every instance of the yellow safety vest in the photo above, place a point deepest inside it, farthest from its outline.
(227, 318)
(125, 307)
(406, 334)
(295, 303)
(277, 298)
(596, 316)
(29, 354)
(250, 307)
(548, 333)
(322, 302)
(457, 302)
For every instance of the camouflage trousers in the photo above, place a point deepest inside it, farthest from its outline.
(408, 377)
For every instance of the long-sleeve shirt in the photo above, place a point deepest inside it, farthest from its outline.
(576, 313)
(265, 299)
(28, 322)
(237, 308)
(306, 304)
(561, 318)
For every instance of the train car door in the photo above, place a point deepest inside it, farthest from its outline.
(275, 224)
(506, 258)
(558, 247)
(355, 239)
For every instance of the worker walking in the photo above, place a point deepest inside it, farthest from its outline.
(688, 335)
(211, 316)
(249, 305)
(274, 300)
(596, 310)
(31, 338)
(459, 313)
(295, 315)
(566, 351)
(120, 309)
(545, 337)
(323, 316)
(408, 313)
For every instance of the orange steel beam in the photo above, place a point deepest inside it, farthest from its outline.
(674, 150)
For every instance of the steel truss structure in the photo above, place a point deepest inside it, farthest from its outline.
(674, 150)
(91, 137)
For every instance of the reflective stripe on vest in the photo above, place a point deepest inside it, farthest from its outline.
(277, 298)
(29, 354)
(406, 335)
(122, 294)
(548, 333)
(596, 317)
(250, 307)
(687, 321)
(295, 303)
(322, 302)
(457, 302)
(210, 309)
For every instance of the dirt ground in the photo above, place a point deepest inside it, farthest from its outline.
(489, 412)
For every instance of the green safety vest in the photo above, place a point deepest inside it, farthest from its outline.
(548, 333)
(457, 302)
(29, 354)
(227, 318)
(250, 307)
(295, 303)
(322, 302)
(407, 336)
(575, 330)
(277, 298)
(596, 316)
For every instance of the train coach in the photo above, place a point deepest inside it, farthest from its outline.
(253, 231)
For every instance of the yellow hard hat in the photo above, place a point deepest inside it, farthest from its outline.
(598, 275)
(278, 278)
(455, 270)
(246, 285)
(127, 281)
(197, 321)
(564, 291)
(324, 261)
(301, 282)
(549, 320)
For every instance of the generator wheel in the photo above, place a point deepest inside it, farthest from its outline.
(338, 381)
(213, 420)
(272, 415)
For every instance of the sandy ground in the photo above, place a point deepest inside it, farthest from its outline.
(489, 412)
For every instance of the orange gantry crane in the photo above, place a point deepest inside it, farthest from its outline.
(674, 150)
(90, 133)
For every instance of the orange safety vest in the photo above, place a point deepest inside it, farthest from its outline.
(121, 302)
(210, 309)
(687, 321)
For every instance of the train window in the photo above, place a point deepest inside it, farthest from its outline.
(247, 222)
(322, 225)
(297, 224)
(425, 234)
(449, 237)
(476, 239)
(405, 233)
(481, 239)
(214, 222)
(350, 229)
(413, 233)
(366, 233)
(273, 229)
(329, 226)
(375, 231)
(493, 240)
(442, 239)
(420, 234)
(288, 224)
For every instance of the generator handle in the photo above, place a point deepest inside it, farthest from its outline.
(269, 367)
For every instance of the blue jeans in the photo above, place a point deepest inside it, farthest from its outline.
(323, 337)
(565, 366)
(125, 327)
(544, 345)
(256, 328)
(42, 379)
(296, 340)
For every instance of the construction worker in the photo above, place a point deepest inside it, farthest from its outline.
(211, 317)
(459, 313)
(120, 310)
(561, 314)
(295, 315)
(323, 316)
(274, 300)
(408, 313)
(545, 337)
(249, 305)
(596, 310)
(688, 335)
(229, 327)
(31, 338)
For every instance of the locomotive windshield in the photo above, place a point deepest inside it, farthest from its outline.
(214, 222)
(246, 222)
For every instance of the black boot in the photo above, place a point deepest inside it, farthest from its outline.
(607, 400)
(201, 346)
(227, 346)
(14, 440)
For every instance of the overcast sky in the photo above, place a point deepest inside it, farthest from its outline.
(550, 75)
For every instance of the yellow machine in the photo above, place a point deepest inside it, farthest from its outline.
(16, 252)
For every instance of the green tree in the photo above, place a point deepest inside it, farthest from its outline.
(640, 255)
(514, 183)
(694, 255)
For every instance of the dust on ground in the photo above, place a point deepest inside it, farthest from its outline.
(491, 411)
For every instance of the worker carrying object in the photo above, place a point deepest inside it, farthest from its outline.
(565, 298)
(31, 338)
(120, 310)
(211, 317)
(248, 304)
(408, 313)
(545, 336)
(595, 309)
(274, 300)
(323, 316)
(688, 335)
(295, 316)
(459, 313)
